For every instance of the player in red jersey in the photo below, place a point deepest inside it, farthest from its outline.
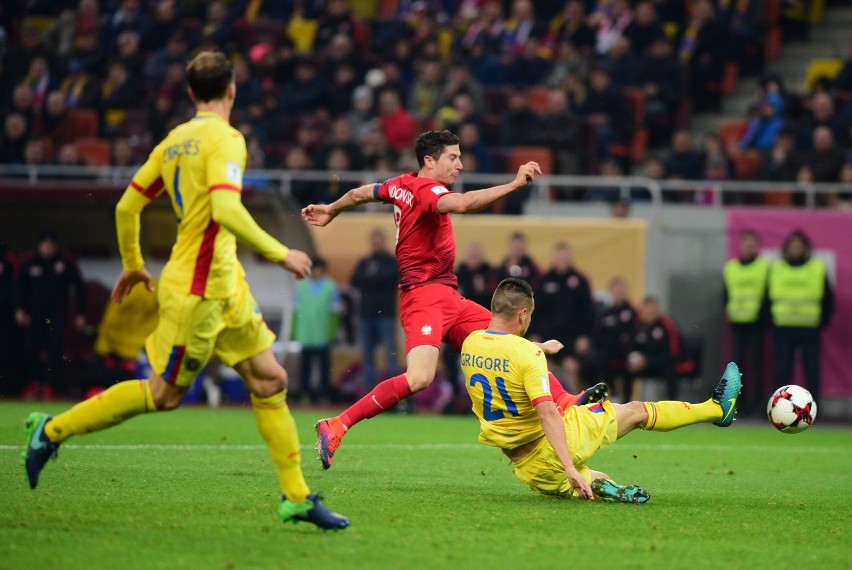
(431, 309)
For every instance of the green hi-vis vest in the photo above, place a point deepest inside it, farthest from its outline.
(796, 293)
(746, 286)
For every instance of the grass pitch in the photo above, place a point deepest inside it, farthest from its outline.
(195, 489)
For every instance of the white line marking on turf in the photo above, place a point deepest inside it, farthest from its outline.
(428, 446)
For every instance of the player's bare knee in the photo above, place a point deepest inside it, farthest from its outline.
(418, 381)
(167, 401)
(638, 413)
(269, 384)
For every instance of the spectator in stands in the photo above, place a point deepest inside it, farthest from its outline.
(660, 78)
(683, 162)
(129, 52)
(424, 92)
(20, 57)
(362, 118)
(826, 159)
(39, 80)
(487, 32)
(249, 89)
(341, 51)
(822, 113)
(484, 66)
(518, 262)
(398, 126)
(516, 120)
(622, 64)
(559, 129)
(339, 91)
(68, 156)
(163, 115)
(306, 91)
(570, 25)
(122, 153)
(119, 92)
(645, 28)
(55, 124)
(80, 87)
(34, 153)
(606, 111)
(315, 321)
(23, 103)
(216, 30)
(604, 353)
(780, 163)
(460, 82)
(46, 282)
(713, 152)
(163, 25)
(567, 60)
(337, 18)
(342, 137)
(470, 141)
(476, 276)
(655, 348)
(746, 280)
(521, 28)
(14, 139)
(296, 159)
(174, 51)
(654, 168)
(703, 48)
(9, 339)
(566, 311)
(765, 126)
(610, 19)
(802, 305)
(130, 16)
(375, 147)
(376, 278)
(529, 68)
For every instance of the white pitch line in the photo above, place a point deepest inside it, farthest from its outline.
(438, 446)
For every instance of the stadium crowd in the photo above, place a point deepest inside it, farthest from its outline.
(604, 86)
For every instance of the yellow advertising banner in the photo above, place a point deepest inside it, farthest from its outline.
(603, 248)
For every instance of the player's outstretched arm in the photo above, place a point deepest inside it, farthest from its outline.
(323, 214)
(554, 431)
(228, 211)
(480, 199)
(550, 347)
(127, 224)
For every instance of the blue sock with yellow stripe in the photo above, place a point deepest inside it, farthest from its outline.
(120, 402)
(669, 415)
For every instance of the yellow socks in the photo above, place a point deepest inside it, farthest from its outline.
(120, 402)
(666, 416)
(277, 427)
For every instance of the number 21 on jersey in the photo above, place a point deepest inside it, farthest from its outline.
(494, 410)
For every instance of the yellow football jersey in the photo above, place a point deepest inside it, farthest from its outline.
(506, 376)
(200, 156)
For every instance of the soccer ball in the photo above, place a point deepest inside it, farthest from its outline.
(791, 409)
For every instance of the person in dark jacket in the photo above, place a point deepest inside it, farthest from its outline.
(376, 277)
(9, 363)
(46, 282)
(656, 349)
(565, 308)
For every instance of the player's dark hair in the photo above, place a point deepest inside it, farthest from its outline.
(209, 74)
(510, 296)
(433, 143)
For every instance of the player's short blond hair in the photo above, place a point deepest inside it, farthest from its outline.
(209, 74)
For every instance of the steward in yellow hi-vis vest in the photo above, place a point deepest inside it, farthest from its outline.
(205, 305)
(801, 305)
(746, 279)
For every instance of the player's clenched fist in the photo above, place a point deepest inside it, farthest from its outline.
(526, 173)
(297, 262)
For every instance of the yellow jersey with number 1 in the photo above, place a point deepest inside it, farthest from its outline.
(506, 376)
(203, 155)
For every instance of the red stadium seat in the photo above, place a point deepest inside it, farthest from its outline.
(637, 147)
(94, 152)
(84, 121)
(746, 164)
(730, 133)
(538, 97)
(522, 154)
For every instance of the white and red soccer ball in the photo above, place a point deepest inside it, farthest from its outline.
(791, 409)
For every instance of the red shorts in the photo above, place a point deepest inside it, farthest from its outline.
(434, 313)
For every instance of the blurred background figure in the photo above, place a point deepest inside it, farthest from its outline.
(376, 278)
(801, 305)
(746, 278)
(49, 279)
(315, 321)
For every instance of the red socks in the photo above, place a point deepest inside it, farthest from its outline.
(562, 398)
(384, 396)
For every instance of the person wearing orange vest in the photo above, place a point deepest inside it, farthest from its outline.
(746, 279)
(801, 305)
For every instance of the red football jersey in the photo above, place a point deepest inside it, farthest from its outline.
(425, 245)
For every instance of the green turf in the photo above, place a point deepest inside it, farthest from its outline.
(421, 494)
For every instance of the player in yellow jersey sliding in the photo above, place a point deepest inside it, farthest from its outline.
(507, 381)
(205, 303)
